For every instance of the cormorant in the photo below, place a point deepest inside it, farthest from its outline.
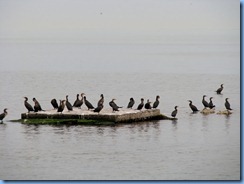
(148, 105)
(27, 105)
(114, 106)
(99, 108)
(204, 102)
(68, 105)
(131, 103)
(140, 106)
(77, 102)
(220, 89)
(193, 107)
(211, 105)
(173, 114)
(88, 104)
(61, 106)
(155, 104)
(54, 103)
(101, 101)
(82, 100)
(227, 104)
(3, 115)
(37, 106)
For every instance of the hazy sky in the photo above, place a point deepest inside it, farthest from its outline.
(117, 19)
(213, 25)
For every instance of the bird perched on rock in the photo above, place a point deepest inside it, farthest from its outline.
(140, 106)
(219, 90)
(27, 105)
(98, 108)
(101, 101)
(54, 103)
(77, 102)
(3, 115)
(88, 104)
(193, 107)
(37, 106)
(131, 103)
(211, 105)
(204, 102)
(173, 114)
(68, 105)
(148, 105)
(227, 104)
(114, 106)
(61, 106)
(156, 103)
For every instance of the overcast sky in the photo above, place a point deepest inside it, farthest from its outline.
(117, 19)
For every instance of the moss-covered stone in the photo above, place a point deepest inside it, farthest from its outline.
(62, 122)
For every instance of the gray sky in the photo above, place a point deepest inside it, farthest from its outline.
(115, 20)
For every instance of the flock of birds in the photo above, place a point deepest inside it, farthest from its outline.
(79, 102)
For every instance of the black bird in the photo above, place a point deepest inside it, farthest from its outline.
(77, 102)
(68, 105)
(54, 103)
(155, 104)
(148, 105)
(131, 103)
(227, 104)
(99, 108)
(3, 115)
(114, 106)
(101, 101)
(193, 107)
(61, 106)
(140, 106)
(204, 102)
(27, 105)
(220, 89)
(88, 104)
(37, 106)
(173, 114)
(211, 105)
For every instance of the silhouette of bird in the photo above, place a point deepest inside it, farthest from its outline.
(220, 89)
(114, 106)
(140, 106)
(204, 102)
(156, 103)
(68, 105)
(61, 106)
(98, 108)
(77, 102)
(54, 103)
(148, 105)
(101, 101)
(37, 106)
(88, 104)
(173, 114)
(227, 104)
(131, 103)
(193, 107)
(211, 105)
(27, 105)
(3, 115)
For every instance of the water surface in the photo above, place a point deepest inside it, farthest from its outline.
(195, 147)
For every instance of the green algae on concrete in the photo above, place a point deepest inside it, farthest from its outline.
(62, 122)
(78, 116)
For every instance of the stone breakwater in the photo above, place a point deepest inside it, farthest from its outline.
(124, 115)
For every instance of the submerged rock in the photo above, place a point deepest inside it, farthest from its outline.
(225, 112)
(207, 111)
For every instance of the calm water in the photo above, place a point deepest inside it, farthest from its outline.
(195, 147)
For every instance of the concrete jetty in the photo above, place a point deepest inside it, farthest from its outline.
(123, 115)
